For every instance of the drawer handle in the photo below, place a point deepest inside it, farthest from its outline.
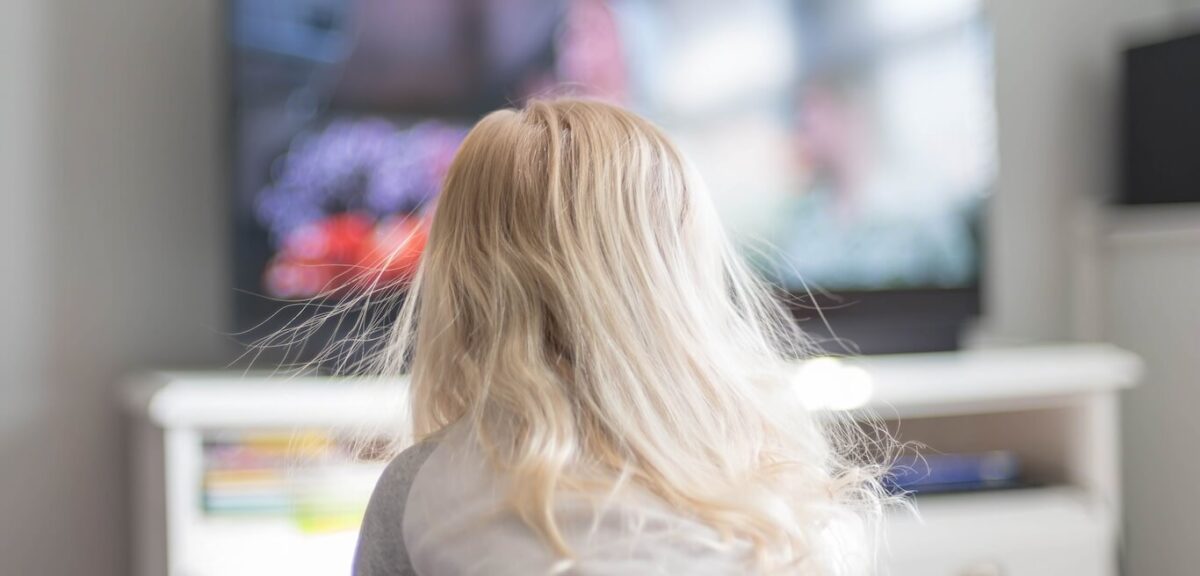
(983, 569)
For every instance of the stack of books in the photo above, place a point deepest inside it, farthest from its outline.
(940, 473)
(311, 478)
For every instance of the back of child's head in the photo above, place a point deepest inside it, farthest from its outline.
(580, 307)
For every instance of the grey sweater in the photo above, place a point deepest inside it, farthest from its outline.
(438, 508)
(381, 550)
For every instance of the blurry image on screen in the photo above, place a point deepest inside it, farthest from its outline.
(848, 144)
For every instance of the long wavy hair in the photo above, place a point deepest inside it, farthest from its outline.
(581, 307)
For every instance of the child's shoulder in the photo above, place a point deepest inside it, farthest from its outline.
(400, 472)
(381, 550)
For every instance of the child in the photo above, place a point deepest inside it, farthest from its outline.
(599, 383)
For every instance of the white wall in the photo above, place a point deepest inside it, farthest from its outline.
(23, 280)
(1065, 265)
(21, 150)
(1152, 278)
(113, 254)
(1056, 80)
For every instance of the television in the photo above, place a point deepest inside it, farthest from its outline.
(1160, 122)
(849, 145)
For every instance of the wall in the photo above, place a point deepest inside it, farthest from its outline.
(1068, 266)
(112, 210)
(1056, 77)
(21, 150)
(1065, 265)
(23, 281)
(1152, 278)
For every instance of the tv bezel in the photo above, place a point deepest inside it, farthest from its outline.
(883, 321)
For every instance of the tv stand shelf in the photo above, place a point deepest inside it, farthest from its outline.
(1053, 405)
(991, 380)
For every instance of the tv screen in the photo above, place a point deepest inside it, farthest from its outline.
(848, 144)
(1161, 122)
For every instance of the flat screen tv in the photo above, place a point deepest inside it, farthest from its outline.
(848, 144)
(1160, 122)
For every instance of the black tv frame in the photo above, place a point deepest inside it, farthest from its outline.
(840, 322)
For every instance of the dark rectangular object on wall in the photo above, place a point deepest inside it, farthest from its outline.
(858, 163)
(1160, 140)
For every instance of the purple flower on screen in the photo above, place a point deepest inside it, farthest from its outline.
(366, 164)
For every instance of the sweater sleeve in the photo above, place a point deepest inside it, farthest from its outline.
(381, 550)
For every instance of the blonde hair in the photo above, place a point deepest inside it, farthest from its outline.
(580, 305)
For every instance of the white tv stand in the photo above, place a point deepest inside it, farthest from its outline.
(1054, 406)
